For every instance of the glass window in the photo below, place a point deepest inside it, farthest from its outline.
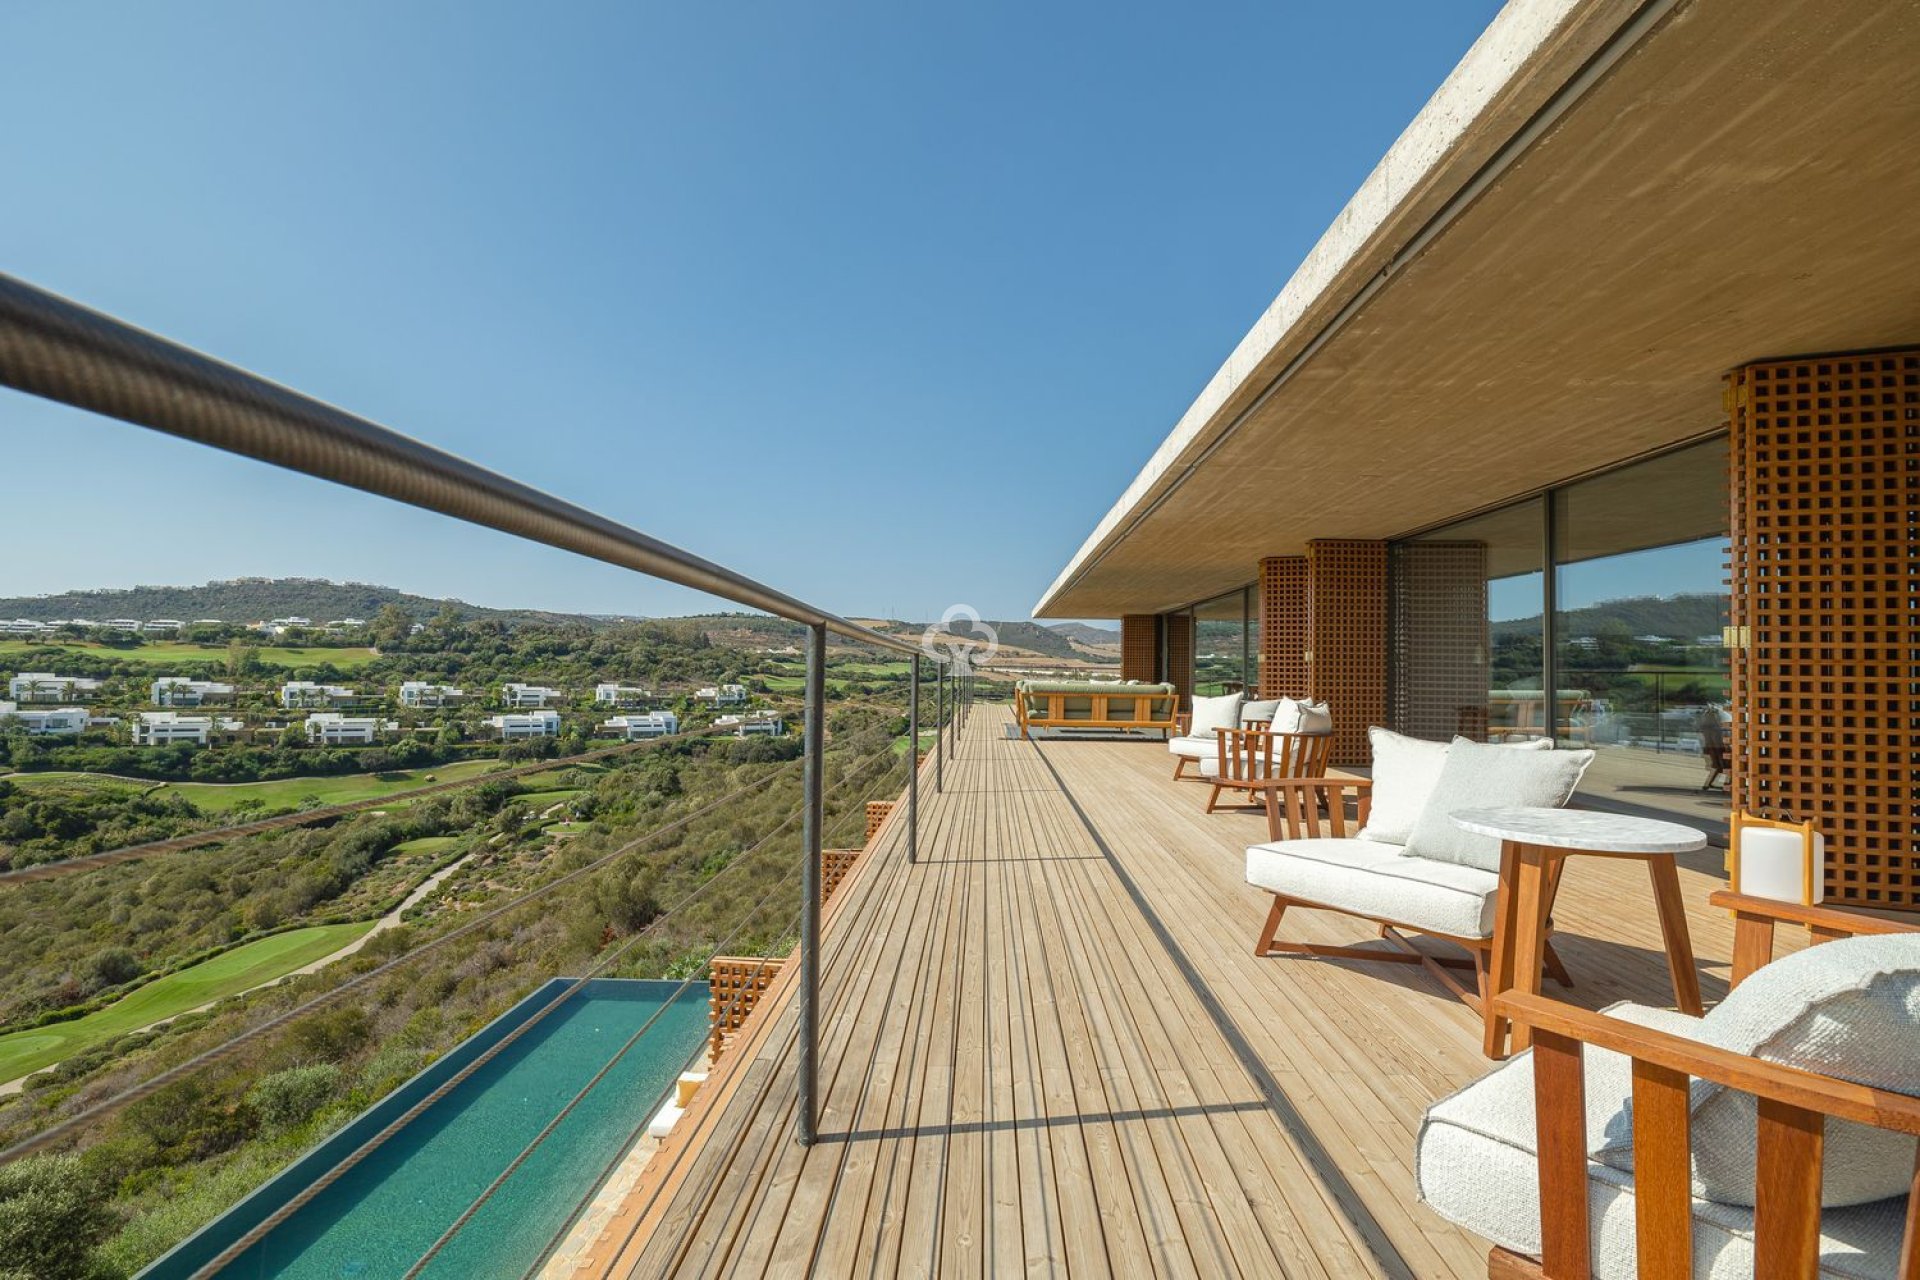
(1220, 654)
(1468, 637)
(1640, 599)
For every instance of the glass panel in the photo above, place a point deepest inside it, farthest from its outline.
(1467, 628)
(1220, 635)
(1641, 597)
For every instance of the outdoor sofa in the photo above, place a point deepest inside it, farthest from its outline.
(1095, 704)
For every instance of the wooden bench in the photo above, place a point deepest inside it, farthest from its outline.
(1077, 704)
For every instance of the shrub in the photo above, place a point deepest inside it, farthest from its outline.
(287, 1099)
(114, 966)
(51, 1217)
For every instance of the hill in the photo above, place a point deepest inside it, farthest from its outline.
(251, 600)
(1684, 617)
(1081, 633)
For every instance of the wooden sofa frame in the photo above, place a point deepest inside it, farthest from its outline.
(1183, 728)
(1247, 760)
(1311, 808)
(1794, 1108)
(1152, 709)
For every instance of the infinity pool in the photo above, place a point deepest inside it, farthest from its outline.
(380, 1217)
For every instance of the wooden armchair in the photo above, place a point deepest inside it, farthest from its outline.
(1246, 758)
(1794, 1106)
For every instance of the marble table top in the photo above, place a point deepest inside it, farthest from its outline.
(1581, 829)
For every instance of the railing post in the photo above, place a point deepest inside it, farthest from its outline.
(811, 813)
(939, 728)
(913, 764)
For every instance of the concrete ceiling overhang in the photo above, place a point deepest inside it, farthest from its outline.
(1681, 188)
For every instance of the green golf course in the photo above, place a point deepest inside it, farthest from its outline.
(288, 793)
(24, 1052)
(170, 651)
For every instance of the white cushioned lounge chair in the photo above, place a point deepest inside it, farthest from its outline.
(1401, 864)
(1772, 1137)
(1195, 739)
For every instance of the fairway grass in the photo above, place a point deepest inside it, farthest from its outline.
(24, 1052)
(172, 651)
(289, 793)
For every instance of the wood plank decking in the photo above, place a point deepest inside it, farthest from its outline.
(1048, 1049)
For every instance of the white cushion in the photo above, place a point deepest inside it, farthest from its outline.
(1259, 709)
(1849, 1009)
(1194, 748)
(1404, 773)
(1373, 879)
(1475, 1165)
(1478, 774)
(1296, 715)
(1215, 713)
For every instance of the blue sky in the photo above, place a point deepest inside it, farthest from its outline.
(813, 289)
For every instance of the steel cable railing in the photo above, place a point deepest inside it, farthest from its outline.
(126, 1097)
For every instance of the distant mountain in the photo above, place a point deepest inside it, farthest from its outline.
(1685, 617)
(251, 600)
(1084, 634)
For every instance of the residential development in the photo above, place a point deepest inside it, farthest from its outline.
(45, 722)
(165, 728)
(305, 693)
(330, 728)
(725, 695)
(755, 724)
(610, 694)
(180, 691)
(650, 724)
(44, 686)
(527, 724)
(515, 694)
(426, 695)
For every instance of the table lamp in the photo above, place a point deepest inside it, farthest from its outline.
(1786, 861)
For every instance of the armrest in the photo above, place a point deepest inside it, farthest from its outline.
(1832, 920)
(1182, 721)
(1295, 805)
(1807, 1090)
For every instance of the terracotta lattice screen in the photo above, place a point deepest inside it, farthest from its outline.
(1439, 615)
(1139, 647)
(735, 985)
(877, 811)
(1347, 636)
(1826, 610)
(834, 865)
(1283, 627)
(1180, 653)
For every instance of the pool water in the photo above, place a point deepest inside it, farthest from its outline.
(387, 1211)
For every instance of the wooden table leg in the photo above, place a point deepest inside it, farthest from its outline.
(1530, 927)
(1673, 928)
(1500, 965)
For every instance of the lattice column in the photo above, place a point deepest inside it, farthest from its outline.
(1139, 647)
(1283, 627)
(734, 987)
(1347, 639)
(834, 866)
(1438, 607)
(877, 811)
(1179, 672)
(1826, 610)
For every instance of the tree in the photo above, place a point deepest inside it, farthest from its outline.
(51, 1217)
(390, 627)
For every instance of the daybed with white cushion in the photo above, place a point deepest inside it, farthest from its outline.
(1402, 864)
(1772, 1137)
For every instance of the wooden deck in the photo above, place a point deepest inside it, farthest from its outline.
(1048, 1049)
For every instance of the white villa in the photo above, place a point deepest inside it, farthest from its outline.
(330, 728)
(179, 691)
(611, 694)
(305, 693)
(46, 722)
(422, 693)
(763, 724)
(650, 724)
(527, 724)
(164, 728)
(44, 686)
(514, 694)
(725, 695)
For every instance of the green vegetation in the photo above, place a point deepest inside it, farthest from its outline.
(294, 793)
(168, 997)
(170, 653)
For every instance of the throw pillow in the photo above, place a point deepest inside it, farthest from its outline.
(1258, 709)
(1215, 713)
(1404, 773)
(1478, 775)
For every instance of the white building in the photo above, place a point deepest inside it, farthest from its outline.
(760, 724)
(514, 694)
(122, 624)
(305, 693)
(46, 722)
(725, 695)
(330, 728)
(611, 694)
(527, 724)
(162, 625)
(164, 728)
(179, 691)
(422, 693)
(650, 724)
(44, 686)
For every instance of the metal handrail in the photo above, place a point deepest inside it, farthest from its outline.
(53, 347)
